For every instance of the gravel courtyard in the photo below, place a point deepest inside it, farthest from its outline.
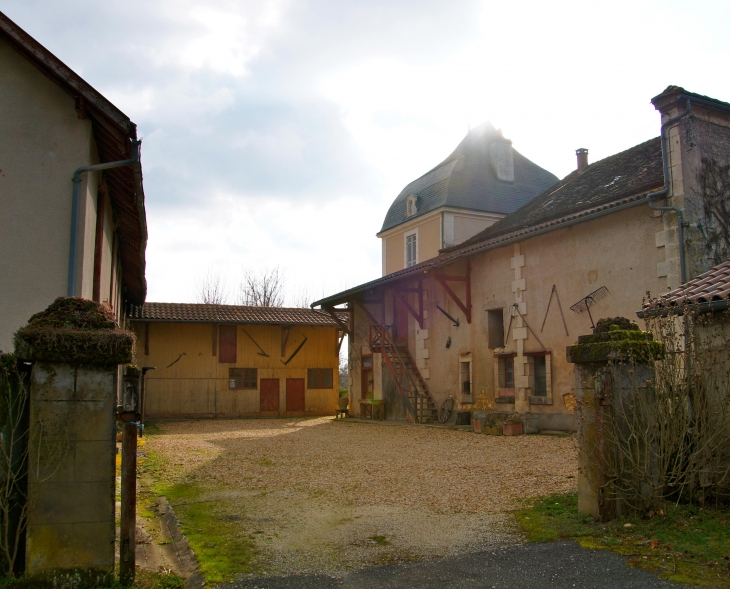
(321, 496)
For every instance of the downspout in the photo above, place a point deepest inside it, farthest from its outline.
(75, 207)
(664, 191)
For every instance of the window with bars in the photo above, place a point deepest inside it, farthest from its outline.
(242, 378)
(319, 378)
(411, 250)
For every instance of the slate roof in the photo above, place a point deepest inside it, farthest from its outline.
(635, 171)
(113, 135)
(614, 183)
(713, 285)
(466, 180)
(200, 313)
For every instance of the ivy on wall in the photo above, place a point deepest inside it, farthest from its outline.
(714, 182)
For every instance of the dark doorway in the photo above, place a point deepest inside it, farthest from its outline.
(295, 394)
(269, 394)
(401, 323)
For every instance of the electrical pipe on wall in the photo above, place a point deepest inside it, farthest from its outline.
(663, 192)
(75, 206)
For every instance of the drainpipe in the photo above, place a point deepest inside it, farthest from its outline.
(75, 207)
(663, 192)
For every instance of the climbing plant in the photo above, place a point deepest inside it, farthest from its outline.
(714, 182)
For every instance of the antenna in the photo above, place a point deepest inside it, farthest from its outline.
(588, 301)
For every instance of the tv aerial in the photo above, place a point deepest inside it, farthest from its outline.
(588, 301)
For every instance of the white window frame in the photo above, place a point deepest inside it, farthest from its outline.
(405, 248)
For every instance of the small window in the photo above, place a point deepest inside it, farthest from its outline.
(507, 372)
(242, 378)
(411, 205)
(466, 378)
(411, 250)
(495, 328)
(319, 378)
(367, 362)
(539, 376)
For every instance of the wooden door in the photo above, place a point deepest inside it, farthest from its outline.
(269, 394)
(401, 322)
(294, 394)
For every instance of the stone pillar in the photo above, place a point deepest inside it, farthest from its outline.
(72, 463)
(608, 363)
(75, 347)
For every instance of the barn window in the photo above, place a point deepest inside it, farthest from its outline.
(227, 343)
(319, 378)
(411, 250)
(242, 378)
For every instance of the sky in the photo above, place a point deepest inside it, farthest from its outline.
(276, 133)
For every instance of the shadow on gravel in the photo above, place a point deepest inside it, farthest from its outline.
(555, 565)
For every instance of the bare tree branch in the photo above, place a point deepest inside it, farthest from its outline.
(264, 288)
(210, 289)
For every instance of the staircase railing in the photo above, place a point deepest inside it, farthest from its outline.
(381, 339)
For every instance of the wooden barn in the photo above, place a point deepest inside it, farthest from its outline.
(234, 361)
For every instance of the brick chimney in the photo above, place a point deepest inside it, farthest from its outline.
(582, 154)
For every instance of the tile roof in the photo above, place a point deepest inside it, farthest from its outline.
(466, 180)
(713, 285)
(636, 170)
(200, 313)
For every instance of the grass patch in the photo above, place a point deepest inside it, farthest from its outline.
(84, 579)
(685, 544)
(380, 540)
(220, 542)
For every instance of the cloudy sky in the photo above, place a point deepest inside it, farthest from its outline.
(277, 132)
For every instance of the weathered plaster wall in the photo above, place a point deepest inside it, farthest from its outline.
(197, 383)
(71, 474)
(617, 251)
(428, 243)
(44, 141)
(466, 226)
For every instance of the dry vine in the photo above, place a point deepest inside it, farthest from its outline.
(665, 437)
(714, 181)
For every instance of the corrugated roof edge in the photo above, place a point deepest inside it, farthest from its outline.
(453, 254)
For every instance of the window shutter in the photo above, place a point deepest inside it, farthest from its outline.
(227, 343)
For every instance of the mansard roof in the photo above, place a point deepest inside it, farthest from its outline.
(466, 180)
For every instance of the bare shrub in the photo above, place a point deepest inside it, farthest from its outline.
(211, 289)
(263, 288)
(665, 427)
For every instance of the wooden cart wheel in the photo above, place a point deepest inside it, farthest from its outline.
(445, 410)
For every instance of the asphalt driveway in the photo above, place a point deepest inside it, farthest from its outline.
(555, 565)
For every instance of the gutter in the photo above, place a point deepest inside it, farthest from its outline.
(664, 191)
(679, 310)
(136, 147)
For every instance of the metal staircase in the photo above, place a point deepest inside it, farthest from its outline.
(407, 378)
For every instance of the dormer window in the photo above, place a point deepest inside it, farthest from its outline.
(411, 207)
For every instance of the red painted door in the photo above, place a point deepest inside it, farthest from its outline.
(295, 394)
(269, 394)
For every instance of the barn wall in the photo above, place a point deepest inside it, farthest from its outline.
(189, 380)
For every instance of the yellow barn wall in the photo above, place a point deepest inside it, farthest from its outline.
(190, 382)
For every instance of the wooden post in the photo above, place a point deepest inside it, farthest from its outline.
(129, 503)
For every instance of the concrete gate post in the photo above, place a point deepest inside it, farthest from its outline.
(608, 363)
(75, 346)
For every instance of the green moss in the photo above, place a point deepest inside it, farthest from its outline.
(220, 543)
(640, 347)
(77, 332)
(92, 579)
(682, 543)
(614, 324)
